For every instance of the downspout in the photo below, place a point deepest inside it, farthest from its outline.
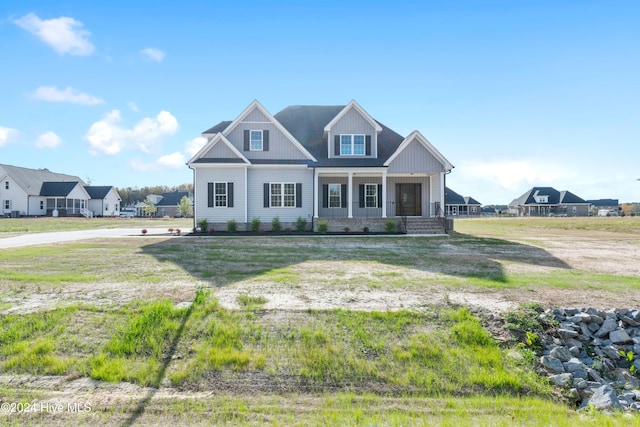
(194, 196)
(313, 207)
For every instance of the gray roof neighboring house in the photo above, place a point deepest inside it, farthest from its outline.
(604, 202)
(173, 198)
(453, 198)
(57, 189)
(31, 180)
(98, 191)
(554, 197)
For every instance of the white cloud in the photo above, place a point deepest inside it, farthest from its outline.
(174, 160)
(53, 94)
(48, 140)
(7, 135)
(193, 146)
(107, 136)
(133, 107)
(64, 34)
(153, 54)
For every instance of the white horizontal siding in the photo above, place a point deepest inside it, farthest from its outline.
(205, 175)
(353, 123)
(415, 158)
(256, 179)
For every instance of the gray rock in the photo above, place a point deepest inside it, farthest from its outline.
(611, 352)
(561, 379)
(584, 329)
(575, 351)
(580, 373)
(579, 382)
(597, 319)
(593, 326)
(567, 333)
(595, 376)
(607, 326)
(636, 349)
(620, 336)
(605, 398)
(560, 353)
(552, 364)
(573, 364)
(629, 321)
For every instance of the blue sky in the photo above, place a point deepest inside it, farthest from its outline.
(514, 93)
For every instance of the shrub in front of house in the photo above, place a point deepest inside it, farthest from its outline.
(275, 224)
(365, 229)
(203, 225)
(255, 224)
(301, 224)
(390, 226)
(323, 226)
(232, 226)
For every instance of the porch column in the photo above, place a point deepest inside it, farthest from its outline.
(350, 196)
(384, 194)
(315, 193)
(442, 202)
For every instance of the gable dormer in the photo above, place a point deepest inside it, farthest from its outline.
(259, 136)
(352, 133)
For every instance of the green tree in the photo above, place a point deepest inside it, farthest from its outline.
(185, 207)
(149, 207)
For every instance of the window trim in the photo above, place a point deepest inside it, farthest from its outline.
(352, 144)
(6, 185)
(367, 196)
(282, 194)
(216, 194)
(329, 196)
(251, 148)
(6, 204)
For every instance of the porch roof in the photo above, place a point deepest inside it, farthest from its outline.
(57, 189)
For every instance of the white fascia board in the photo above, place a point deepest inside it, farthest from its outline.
(218, 138)
(354, 171)
(276, 166)
(416, 135)
(255, 104)
(359, 109)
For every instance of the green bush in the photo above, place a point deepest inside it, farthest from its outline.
(275, 224)
(390, 226)
(203, 225)
(232, 226)
(255, 224)
(301, 224)
(323, 226)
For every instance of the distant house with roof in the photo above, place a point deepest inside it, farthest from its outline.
(547, 201)
(40, 192)
(457, 205)
(600, 204)
(166, 203)
(104, 200)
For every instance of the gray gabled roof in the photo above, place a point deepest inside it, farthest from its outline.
(173, 198)
(453, 198)
(219, 127)
(98, 191)
(57, 189)
(554, 196)
(604, 202)
(30, 180)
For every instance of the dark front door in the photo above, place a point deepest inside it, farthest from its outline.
(408, 199)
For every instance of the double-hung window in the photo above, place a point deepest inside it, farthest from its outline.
(220, 196)
(282, 195)
(255, 140)
(335, 196)
(352, 145)
(7, 205)
(371, 195)
(6, 185)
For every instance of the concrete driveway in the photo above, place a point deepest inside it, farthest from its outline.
(30, 239)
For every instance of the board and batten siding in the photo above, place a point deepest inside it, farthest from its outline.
(257, 177)
(220, 151)
(353, 123)
(212, 214)
(415, 158)
(280, 147)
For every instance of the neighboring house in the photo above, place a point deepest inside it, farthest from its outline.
(40, 192)
(168, 204)
(333, 163)
(104, 200)
(457, 205)
(547, 201)
(604, 204)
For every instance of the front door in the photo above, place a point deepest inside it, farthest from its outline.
(408, 199)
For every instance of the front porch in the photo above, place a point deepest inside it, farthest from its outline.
(62, 206)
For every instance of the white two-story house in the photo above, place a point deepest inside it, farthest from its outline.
(332, 163)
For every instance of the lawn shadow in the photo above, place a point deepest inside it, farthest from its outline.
(224, 261)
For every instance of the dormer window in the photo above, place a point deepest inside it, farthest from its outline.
(255, 143)
(542, 199)
(352, 145)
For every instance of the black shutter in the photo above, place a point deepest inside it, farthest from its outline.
(246, 140)
(379, 195)
(368, 145)
(210, 194)
(343, 195)
(361, 195)
(298, 195)
(266, 195)
(325, 196)
(230, 194)
(336, 145)
(265, 140)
